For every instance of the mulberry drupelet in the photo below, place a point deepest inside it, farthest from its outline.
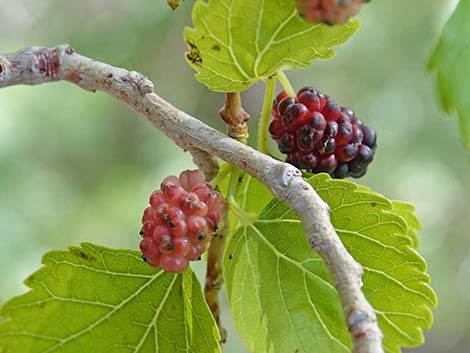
(329, 11)
(320, 136)
(183, 216)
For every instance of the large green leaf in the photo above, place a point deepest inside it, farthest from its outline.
(238, 42)
(281, 294)
(93, 299)
(451, 62)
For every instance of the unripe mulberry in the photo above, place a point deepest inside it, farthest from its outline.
(329, 11)
(183, 216)
(320, 136)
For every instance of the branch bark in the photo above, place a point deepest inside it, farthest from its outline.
(236, 118)
(40, 65)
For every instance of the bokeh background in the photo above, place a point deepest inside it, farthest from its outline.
(76, 166)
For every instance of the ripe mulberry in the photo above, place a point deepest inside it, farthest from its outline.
(183, 216)
(329, 11)
(320, 136)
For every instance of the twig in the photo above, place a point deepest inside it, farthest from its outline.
(215, 277)
(39, 65)
(236, 119)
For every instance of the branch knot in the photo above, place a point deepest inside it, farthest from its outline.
(141, 82)
(235, 117)
(4, 68)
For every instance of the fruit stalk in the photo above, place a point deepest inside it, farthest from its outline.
(263, 126)
(215, 271)
(215, 277)
(236, 119)
(281, 76)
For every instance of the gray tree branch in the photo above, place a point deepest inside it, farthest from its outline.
(36, 65)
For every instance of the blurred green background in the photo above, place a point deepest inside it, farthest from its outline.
(76, 166)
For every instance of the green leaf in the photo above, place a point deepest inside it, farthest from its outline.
(238, 42)
(407, 211)
(253, 195)
(450, 61)
(93, 299)
(282, 296)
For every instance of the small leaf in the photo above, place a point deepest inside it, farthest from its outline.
(281, 293)
(450, 61)
(93, 299)
(238, 42)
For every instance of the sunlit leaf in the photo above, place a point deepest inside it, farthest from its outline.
(238, 42)
(281, 294)
(93, 299)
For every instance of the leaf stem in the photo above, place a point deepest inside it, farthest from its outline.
(234, 182)
(285, 83)
(243, 216)
(263, 126)
(225, 169)
(215, 276)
